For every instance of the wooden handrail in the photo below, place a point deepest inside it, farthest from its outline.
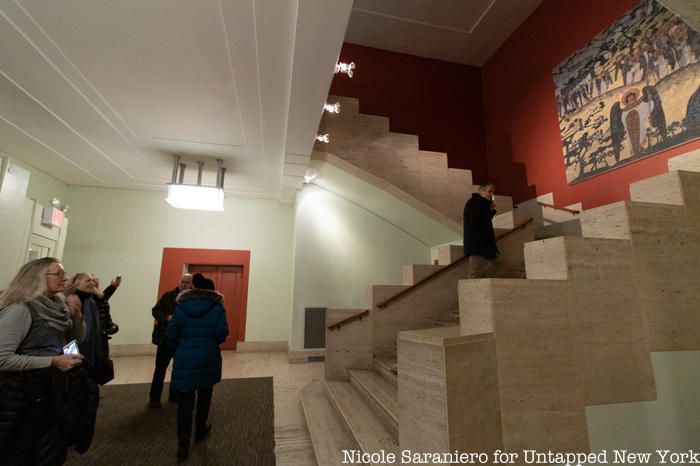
(572, 211)
(350, 319)
(451, 266)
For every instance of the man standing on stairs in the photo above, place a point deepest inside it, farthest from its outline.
(479, 237)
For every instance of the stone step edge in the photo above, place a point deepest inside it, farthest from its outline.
(349, 443)
(347, 417)
(392, 417)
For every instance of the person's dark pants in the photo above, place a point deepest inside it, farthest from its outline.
(163, 357)
(185, 406)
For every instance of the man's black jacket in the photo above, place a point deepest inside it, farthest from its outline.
(163, 308)
(479, 237)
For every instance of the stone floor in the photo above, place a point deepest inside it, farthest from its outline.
(293, 445)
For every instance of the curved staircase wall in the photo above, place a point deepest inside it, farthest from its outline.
(339, 249)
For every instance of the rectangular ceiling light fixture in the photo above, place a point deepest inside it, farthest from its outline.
(184, 196)
(196, 197)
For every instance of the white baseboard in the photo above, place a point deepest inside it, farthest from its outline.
(261, 346)
(132, 350)
(302, 356)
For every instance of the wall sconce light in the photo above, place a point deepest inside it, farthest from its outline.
(344, 68)
(196, 197)
(323, 138)
(332, 108)
(310, 175)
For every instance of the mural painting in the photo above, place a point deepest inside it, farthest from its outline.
(633, 91)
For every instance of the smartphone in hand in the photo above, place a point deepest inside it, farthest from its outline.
(71, 348)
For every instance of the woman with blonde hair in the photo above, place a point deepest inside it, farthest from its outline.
(80, 294)
(35, 324)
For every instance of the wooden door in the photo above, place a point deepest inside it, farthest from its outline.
(228, 280)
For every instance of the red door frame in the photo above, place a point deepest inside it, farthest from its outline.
(173, 265)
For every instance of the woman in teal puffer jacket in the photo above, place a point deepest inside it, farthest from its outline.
(195, 332)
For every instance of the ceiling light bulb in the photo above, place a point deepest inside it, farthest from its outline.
(323, 138)
(332, 108)
(345, 68)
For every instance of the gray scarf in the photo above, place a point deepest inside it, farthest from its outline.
(53, 310)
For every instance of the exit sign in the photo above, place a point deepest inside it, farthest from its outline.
(52, 216)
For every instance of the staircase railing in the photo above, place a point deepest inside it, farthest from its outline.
(565, 209)
(420, 283)
(352, 318)
(444, 270)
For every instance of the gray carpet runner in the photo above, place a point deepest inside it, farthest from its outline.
(242, 418)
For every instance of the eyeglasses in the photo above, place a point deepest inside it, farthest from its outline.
(57, 274)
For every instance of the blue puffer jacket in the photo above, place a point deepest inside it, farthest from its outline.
(197, 328)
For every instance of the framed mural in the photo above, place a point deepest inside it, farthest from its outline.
(631, 92)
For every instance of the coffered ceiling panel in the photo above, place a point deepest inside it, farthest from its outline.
(460, 31)
(459, 15)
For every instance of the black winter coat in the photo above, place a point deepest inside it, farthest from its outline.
(104, 309)
(43, 412)
(479, 237)
(164, 307)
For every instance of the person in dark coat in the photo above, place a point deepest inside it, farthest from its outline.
(102, 300)
(195, 332)
(35, 324)
(162, 313)
(79, 292)
(479, 237)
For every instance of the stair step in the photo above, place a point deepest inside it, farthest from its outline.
(689, 161)
(347, 104)
(449, 253)
(386, 367)
(662, 189)
(568, 228)
(446, 322)
(329, 434)
(369, 431)
(382, 394)
(417, 272)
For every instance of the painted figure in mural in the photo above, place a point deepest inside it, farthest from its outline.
(692, 114)
(649, 57)
(617, 130)
(635, 118)
(657, 117)
(679, 41)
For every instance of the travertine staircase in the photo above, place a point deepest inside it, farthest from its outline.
(365, 142)
(527, 355)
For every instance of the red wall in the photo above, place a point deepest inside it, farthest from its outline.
(174, 260)
(436, 100)
(523, 142)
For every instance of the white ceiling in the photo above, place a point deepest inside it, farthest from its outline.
(459, 31)
(102, 92)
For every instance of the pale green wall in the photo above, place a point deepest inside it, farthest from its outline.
(339, 249)
(16, 212)
(124, 232)
(43, 187)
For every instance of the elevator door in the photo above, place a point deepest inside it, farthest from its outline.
(228, 280)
